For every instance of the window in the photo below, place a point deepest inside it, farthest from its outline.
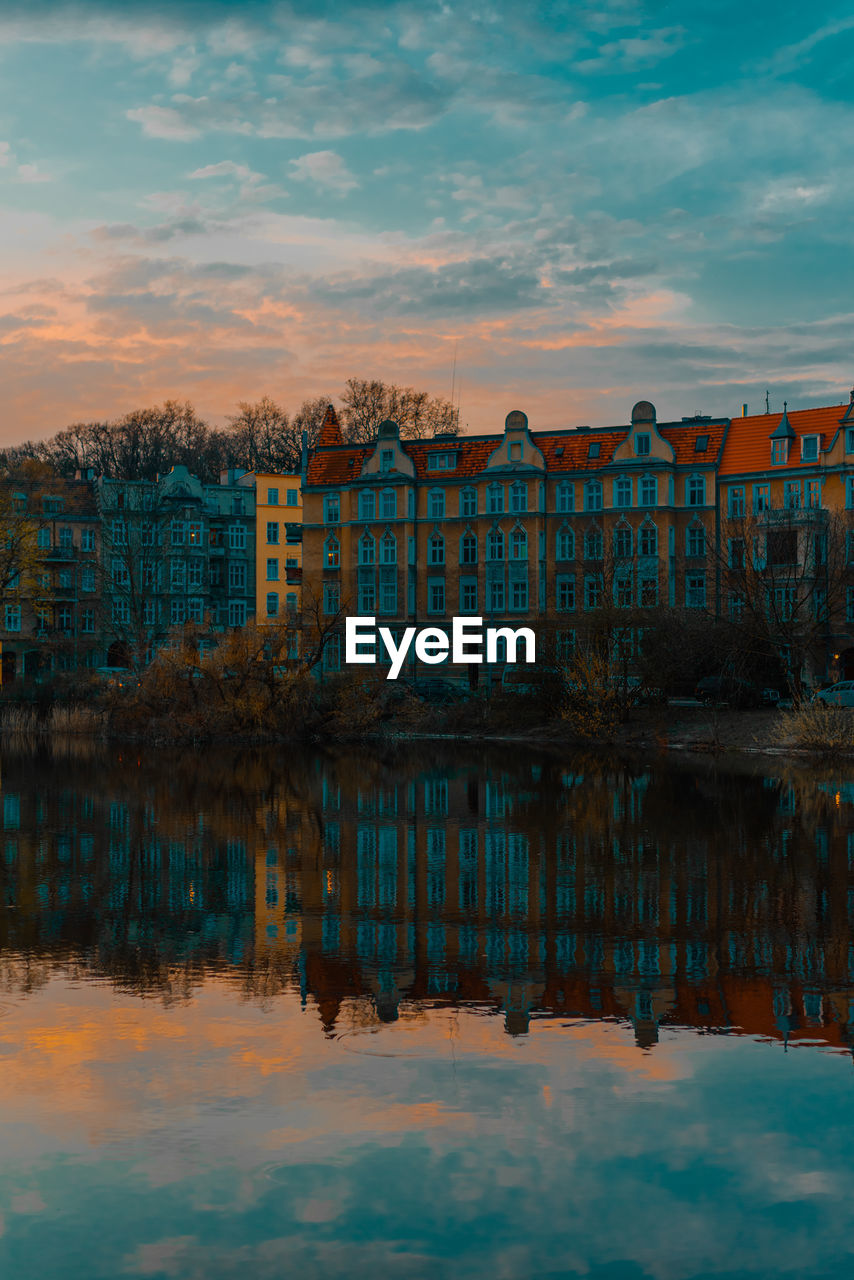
(792, 495)
(272, 570)
(735, 500)
(367, 504)
(13, 617)
(593, 544)
(468, 549)
(436, 504)
(736, 606)
(468, 501)
(622, 542)
(43, 539)
(782, 547)
(849, 440)
(388, 504)
(149, 612)
(120, 573)
(194, 533)
(272, 604)
(518, 544)
(783, 602)
(642, 439)
(594, 449)
(331, 553)
(441, 461)
(435, 595)
(237, 504)
(495, 545)
(195, 570)
(237, 577)
(388, 549)
(146, 534)
(647, 540)
(292, 497)
(737, 553)
(272, 497)
(436, 549)
(332, 508)
(495, 499)
(495, 595)
(647, 591)
(515, 451)
(120, 533)
(367, 549)
(237, 613)
(695, 541)
(518, 497)
(177, 575)
(593, 495)
(809, 448)
(195, 608)
(695, 591)
(623, 590)
(648, 491)
(386, 459)
(761, 498)
(177, 612)
(695, 491)
(519, 595)
(779, 452)
(565, 496)
(178, 533)
(565, 544)
(121, 612)
(701, 444)
(66, 541)
(87, 621)
(331, 598)
(468, 595)
(564, 593)
(87, 578)
(388, 592)
(237, 537)
(273, 533)
(622, 492)
(592, 591)
(812, 493)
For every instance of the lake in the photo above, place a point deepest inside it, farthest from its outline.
(442, 1011)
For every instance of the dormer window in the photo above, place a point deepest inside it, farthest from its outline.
(809, 448)
(441, 461)
(701, 444)
(593, 450)
(642, 444)
(386, 459)
(779, 452)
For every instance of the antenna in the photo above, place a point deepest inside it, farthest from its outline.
(767, 405)
(454, 373)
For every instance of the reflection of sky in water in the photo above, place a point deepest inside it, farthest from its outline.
(224, 1137)
(254, 1017)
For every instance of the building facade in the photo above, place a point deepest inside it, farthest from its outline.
(278, 545)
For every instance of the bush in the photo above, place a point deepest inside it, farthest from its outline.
(817, 727)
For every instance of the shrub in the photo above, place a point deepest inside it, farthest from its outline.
(817, 727)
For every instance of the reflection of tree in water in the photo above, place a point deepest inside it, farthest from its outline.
(523, 882)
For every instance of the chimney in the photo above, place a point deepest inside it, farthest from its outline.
(744, 411)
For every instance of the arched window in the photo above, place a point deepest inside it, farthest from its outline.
(495, 499)
(468, 548)
(593, 544)
(388, 504)
(388, 548)
(647, 539)
(436, 549)
(695, 540)
(622, 542)
(565, 496)
(436, 504)
(593, 495)
(518, 544)
(565, 543)
(272, 604)
(622, 492)
(468, 501)
(518, 496)
(331, 553)
(495, 545)
(367, 549)
(367, 504)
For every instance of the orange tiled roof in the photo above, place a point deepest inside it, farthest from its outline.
(330, 432)
(748, 443)
(342, 464)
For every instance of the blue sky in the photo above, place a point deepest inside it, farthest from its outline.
(591, 203)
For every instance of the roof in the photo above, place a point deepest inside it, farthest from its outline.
(330, 431)
(563, 451)
(748, 449)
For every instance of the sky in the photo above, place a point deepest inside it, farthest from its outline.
(583, 204)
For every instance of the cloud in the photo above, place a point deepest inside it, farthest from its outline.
(163, 122)
(326, 170)
(31, 173)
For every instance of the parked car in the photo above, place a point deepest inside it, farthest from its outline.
(726, 688)
(643, 694)
(837, 695)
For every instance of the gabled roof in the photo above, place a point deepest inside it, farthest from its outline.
(563, 451)
(330, 431)
(784, 429)
(748, 447)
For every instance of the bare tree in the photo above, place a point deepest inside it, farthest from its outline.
(365, 404)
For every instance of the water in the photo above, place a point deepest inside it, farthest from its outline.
(448, 1013)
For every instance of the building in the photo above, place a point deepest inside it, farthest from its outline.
(176, 551)
(549, 527)
(278, 545)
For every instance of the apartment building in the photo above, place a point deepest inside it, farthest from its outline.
(547, 527)
(278, 545)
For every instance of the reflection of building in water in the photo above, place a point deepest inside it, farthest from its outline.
(528, 887)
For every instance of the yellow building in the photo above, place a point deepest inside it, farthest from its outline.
(278, 545)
